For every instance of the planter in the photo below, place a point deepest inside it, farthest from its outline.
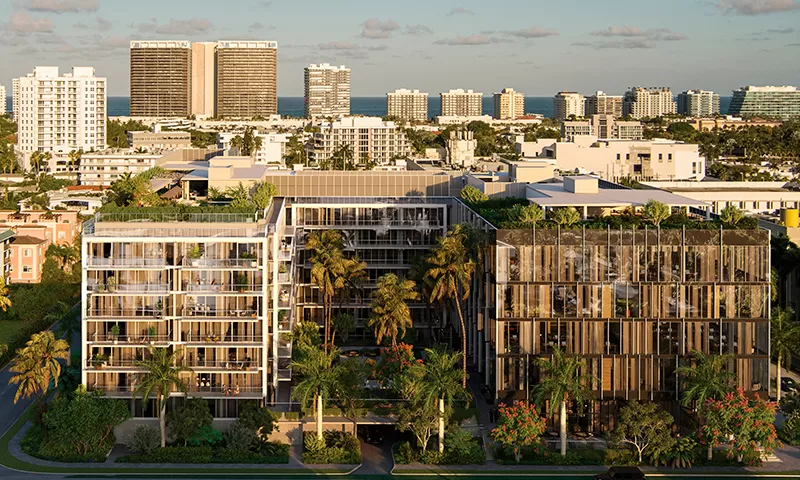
(254, 264)
(115, 341)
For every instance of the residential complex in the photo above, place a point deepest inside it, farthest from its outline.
(247, 79)
(368, 139)
(59, 113)
(603, 127)
(698, 103)
(34, 231)
(508, 104)
(567, 104)
(651, 102)
(407, 104)
(603, 104)
(461, 103)
(772, 102)
(327, 90)
(161, 78)
(3, 108)
(159, 140)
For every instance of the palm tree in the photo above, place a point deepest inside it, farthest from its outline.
(566, 217)
(36, 162)
(37, 364)
(440, 383)
(785, 332)
(417, 272)
(162, 372)
(5, 302)
(731, 215)
(389, 305)
(237, 142)
(656, 212)
(319, 379)
(27, 377)
(257, 143)
(328, 266)
(355, 272)
(69, 323)
(451, 272)
(562, 381)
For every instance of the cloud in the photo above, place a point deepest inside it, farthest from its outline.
(256, 26)
(417, 30)
(194, 26)
(470, 40)
(757, 7)
(374, 28)
(636, 32)
(625, 43)
(782, 30)
(460, 11)
(378, 48)
(101, 24)
(50, 38)
(57, 6)
(338, 46)
(793, 45)
(24, 23)
(533, 32)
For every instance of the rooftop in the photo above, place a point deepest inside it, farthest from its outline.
(27, 240)
(557, 195)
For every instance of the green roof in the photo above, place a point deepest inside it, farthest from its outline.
(5, 235)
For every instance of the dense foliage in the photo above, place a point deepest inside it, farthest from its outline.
(117, 132)
(335, 448)
(645, 427)
(518, 426)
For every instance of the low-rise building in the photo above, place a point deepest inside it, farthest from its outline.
(729, 122)
(6, 235)
(369, 139)
(104, 168)
(27, 255)
(272, 150)
(603, 127)
(751, 197)
(461, 147)
(34, 231)
(159, 140)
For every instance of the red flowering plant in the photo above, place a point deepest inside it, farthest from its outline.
(394, 363)
(519, 426)
(744, 425)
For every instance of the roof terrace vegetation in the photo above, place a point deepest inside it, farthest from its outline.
(520, 213)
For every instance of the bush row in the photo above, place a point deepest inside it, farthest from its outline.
(340, 448)
(275, 453)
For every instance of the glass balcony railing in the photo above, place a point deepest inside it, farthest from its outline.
(147, 312)
(219, 338)
(224, 288)
(127, 262)
(204, 312)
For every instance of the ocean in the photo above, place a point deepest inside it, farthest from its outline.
(376, 106)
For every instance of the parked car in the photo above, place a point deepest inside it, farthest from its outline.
(621, 473)
(788, 384)
(373, 435)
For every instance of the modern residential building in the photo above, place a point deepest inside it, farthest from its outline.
(603, 127)
(105, 167)
(639, 102)
(461, 103)
(3, 107)
(204, 79)
(602, 103)
(756, 198)
(247, 79)
(164, 140)
(370, 139)
(407, 104)
(508, 104)
(327, 90)
(566, 104)
(273, 146)
(161, 78)
(774, 102)
(59, 113)
(15, 98)
(698, 103)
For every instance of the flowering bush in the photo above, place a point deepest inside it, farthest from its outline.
(518, 426)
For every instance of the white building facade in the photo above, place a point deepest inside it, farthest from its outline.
(407, 104)
(15, 98)
(698, 103)
(272, 151)
(461, 103)
(509, 104)
(639, 102)
(104, 168)
(3, 106)
(566, 104)
(370, 139)
(327, 90)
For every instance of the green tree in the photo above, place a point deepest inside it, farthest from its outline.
(117, 132)
(451, 274)
(419, 419)
(162, 372)
(237, 143)
(37, 365)
(731, 216)
(785, 334)
(259, 419)
(485, 137)
(343, 157)
(644, 426)
(343, 324)
(319, 379)
(328, 265)
(441, 385)
(473, 196)
(518, 426)
(85, 421)
(187, 420)
(565, 217)
(295, 153)
(562, 380)
(656, 211)
(391, 314)
(263, 193)
(527, 214)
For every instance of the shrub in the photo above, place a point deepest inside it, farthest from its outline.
(186, 421)
(462, 448)
(260, 419)
(207, 435)
(231, 455)
(177, 454)
(334, 448)
(144, 440)
(240, 437)
(405, 454)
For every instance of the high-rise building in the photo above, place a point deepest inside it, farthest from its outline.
(779, 102)
(15, 98)
(603, 104)
(327, 90)
(60, 113)
(698, 103)
(247, 79)
(161, 78)
(204, 79)
(566, 104)
(2, 100)
(641, 102)
(407, 104)
(370, 139)
(462, 103)
(508, 104)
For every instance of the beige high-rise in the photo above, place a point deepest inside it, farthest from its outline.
(648, 102)
(508, 104)
(327, 90)
(566, 104)
(407, 104)
(203, 79)
(247, 79)
(462, 103)
(161, 78)
(603, 104)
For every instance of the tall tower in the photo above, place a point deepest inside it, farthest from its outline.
(161, 78)
(327, 90)
(247, 79)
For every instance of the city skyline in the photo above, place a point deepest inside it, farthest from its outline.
(565, 46)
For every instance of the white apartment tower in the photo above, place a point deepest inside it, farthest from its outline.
(698, 103)
(327, 90)
(370, 140)
(407, 104)
(566, 104)
(641, 102)
(60, 113)
(462, 103)
(15, 98)
(508, 104)
(3, 108)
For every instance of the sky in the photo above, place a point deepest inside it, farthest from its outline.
(534, 46)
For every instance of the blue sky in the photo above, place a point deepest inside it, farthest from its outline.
(537, 47)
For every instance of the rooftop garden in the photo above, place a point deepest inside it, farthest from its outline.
(518, 213)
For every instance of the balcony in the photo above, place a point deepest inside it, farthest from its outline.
(204, 312)
(234, 365)
(132, 288)
(125, 313)
(224, 391)
(129, 340)
(111, 363)
(224, 288)
(212, 338)
(140, 262)
(220, 262)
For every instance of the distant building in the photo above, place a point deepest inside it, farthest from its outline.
(508, 104)
(407, 104)
(462, 103)
(603, 127)
(247, 79)
(639, 102)
(775, 102)
(15, 98)
(327, 90)
(603, 104)
(698, 103)
(165, 140)
(161, 78)
(273, 146)
(104, 168)
(461, 148)
(730, 122)
(6, 235)
(566, 104)
(370, 140)
(3, 108)
(204, 79)
(750, 197)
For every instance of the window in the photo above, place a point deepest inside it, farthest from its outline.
(26, 252)
(627, 156)
(660, 156)
(669, 156)
(62, 235)
(618, 156)
(27, 269)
